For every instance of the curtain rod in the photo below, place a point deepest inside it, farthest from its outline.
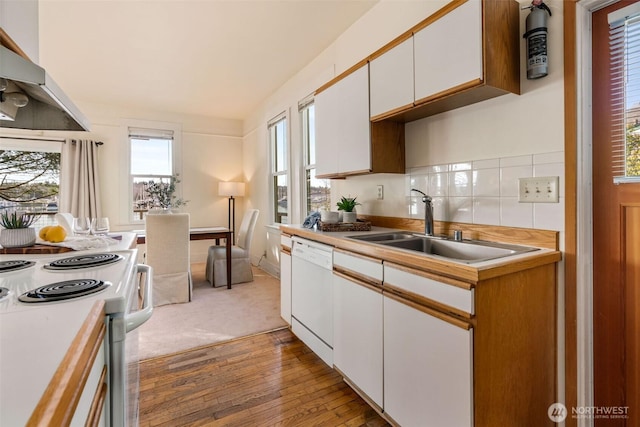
(97, 142)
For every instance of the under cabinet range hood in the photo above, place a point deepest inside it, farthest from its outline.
(30, 99)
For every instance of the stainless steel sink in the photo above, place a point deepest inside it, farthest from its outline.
(382, 237)
(467, 251)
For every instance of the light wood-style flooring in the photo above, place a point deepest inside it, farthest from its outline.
(263, 380)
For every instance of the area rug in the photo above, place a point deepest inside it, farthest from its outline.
(214, 315)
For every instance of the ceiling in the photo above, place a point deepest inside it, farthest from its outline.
(217, 58)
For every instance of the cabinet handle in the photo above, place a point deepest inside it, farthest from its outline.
(442, 316)
(357, 281)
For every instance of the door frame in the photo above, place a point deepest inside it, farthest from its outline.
(584, 205)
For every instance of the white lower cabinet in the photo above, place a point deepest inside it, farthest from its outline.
(428, 374)
(357, 338)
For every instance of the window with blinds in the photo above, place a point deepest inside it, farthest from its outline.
(624, 49)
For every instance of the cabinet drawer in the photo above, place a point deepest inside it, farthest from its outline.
(364, 267)
(286, 241)
(459, 298)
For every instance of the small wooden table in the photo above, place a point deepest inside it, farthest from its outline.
(207, 233)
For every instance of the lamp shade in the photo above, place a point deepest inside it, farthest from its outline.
(235, 189)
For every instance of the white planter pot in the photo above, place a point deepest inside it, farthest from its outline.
(17, 237)
(349, 217)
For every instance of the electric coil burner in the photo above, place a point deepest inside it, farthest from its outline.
(64, 290)
(13, 265)
(4, 292)
(83, 261)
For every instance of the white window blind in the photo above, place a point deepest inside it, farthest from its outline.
(624, 50)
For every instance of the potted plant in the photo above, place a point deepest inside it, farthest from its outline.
(17, 229)
(161, 194)
(348, 206)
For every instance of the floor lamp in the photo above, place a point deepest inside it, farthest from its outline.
(232, 190)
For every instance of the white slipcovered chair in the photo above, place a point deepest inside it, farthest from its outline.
(216, 269)
(167, 252)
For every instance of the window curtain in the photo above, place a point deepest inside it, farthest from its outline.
(79, 178)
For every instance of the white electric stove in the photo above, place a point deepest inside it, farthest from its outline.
(43, 301)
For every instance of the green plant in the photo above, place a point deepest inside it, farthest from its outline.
(347, 204)
(162, 193)
(13, 220)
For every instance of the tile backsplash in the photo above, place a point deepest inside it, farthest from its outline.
(486, 191)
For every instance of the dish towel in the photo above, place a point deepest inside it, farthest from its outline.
(311, 220)
(83, 243)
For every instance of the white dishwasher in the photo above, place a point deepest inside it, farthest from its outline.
(312, 296)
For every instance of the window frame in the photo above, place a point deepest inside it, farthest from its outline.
(307, 166)
(273, 174)
(126, 211)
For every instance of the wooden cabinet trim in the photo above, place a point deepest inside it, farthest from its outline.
(97, 404)
(60, 399)
(342, 75)
(426, 302)
(449, 92)
(7, 41)
(285, 250)
(457, 283)
(358, 279)
(392, 113)
(389, 293)
(356, 255)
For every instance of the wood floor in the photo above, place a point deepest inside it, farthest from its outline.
(264, 380)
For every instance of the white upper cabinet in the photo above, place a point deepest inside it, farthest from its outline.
(448, 52)
(342, 126)
(391, 79)
(19, 20)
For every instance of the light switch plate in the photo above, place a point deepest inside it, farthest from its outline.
(541, 189)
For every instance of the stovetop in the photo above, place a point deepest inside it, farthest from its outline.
(110, 280)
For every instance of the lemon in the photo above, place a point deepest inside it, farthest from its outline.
(43, 232)
(56, 234)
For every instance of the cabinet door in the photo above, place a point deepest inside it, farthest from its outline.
(448, 52)
(19, 19)
(342, 126)
(285, 287)
(427, 368)
(391, 79)
(357, 335)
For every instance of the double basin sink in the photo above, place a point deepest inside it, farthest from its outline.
(465, 251)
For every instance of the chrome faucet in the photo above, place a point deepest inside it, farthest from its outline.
(428, 213)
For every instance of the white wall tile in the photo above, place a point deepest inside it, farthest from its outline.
(440, 209)
(460, 209)
(439, 184)
(486, 183)
(460, 183)
(460, 166)
(486, 210)
(514, 214)
(549, 216)
(509, 184)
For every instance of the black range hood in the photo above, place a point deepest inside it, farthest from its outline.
(48, 108)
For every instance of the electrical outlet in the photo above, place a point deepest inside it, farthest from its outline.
(380, 192)
(542, 189)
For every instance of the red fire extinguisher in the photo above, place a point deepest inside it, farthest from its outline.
(536, 36)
